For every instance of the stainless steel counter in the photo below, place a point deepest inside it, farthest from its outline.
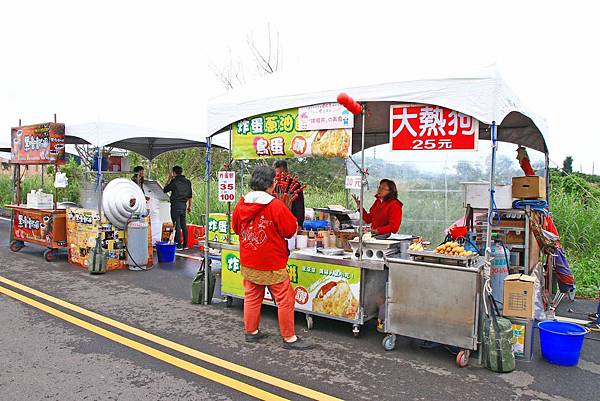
(433, 302)
(310, 254)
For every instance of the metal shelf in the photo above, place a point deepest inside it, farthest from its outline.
(511, 211)
(505, 229)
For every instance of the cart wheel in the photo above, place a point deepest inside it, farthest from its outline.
(355, 330)
(50, 255)
(389, 342)
(16, 246)
(228, 301)
(462, 359)
(309, 322)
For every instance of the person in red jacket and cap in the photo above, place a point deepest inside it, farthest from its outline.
(263, 223)
(385, 215)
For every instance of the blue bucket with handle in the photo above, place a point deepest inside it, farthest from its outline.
(165, 252)
(561, 342)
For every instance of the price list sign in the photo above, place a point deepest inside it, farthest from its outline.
(226, 186)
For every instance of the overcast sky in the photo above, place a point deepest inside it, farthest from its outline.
(148, 63)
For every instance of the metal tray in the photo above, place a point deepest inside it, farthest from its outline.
(444, 259)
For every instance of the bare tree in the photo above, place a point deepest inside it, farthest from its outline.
(230, 75)
(267, 61)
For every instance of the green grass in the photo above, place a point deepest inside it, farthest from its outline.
(575, 206)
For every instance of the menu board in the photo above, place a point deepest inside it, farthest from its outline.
(277, 134)
(38, 144)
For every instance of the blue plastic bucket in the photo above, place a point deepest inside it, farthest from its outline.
(165, 252)
(561, 342)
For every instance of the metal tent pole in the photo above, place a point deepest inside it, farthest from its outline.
(346, 190)
(362, 186)
(207, 271)
(100, 179)
(547, 170)
(488, 243)
(229, 163)
(488, 236)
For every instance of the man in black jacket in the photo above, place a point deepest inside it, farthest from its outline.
(181, 201)
(281, 166)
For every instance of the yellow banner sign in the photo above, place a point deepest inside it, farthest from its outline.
(276, 134)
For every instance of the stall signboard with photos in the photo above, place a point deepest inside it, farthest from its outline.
(428, 127)
(38, 144)
(320, 288)
(277, 134)
(40, 226)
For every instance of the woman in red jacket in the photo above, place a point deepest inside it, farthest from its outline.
(385, 214)
(263, 223)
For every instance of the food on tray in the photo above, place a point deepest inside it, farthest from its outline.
(331, 143)
(453, 249)
(337, 299)
(417, 246)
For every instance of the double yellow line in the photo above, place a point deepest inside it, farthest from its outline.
(163, 356)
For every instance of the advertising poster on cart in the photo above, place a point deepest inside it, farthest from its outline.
(38, 144)
(320, 288)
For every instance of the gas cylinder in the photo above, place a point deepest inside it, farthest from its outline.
(137, 244)
(498, 271)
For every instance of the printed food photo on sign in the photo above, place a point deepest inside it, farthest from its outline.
(331, 143)
(336, 299)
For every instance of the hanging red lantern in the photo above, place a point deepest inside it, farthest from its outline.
(343, 99)
(355, 108)
(350, 104)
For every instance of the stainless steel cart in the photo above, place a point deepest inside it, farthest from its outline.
(434, 302)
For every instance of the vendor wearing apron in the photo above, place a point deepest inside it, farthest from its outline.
(385, 214)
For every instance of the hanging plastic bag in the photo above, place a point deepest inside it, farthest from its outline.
(198, 286)
(538, 299)
(498, 341)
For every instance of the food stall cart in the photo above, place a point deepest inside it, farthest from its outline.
(87, 224)
(37, 221)
(467, 109)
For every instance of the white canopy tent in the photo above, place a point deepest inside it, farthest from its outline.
(483, 95)
(146, 141)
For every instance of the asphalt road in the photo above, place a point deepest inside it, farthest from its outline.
(43, 357)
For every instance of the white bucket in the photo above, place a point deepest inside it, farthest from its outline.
(291, 243)
(165, 212)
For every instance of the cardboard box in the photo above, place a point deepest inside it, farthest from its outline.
(528, 187)
(512, 223)
(477, 194)
(518, 296)
(167, 230)
(514, 238)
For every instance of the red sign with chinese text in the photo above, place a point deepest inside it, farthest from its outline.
(423, 127)
(39, 227)
(38, 144)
